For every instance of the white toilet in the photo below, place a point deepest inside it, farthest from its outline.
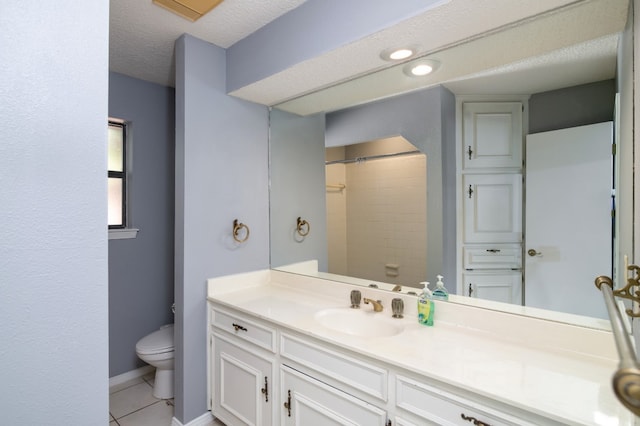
(157, 349)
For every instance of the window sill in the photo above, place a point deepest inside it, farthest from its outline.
(123, 234)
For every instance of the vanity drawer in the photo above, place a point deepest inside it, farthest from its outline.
(347, 370)
(244, 328)
(439, 407)
(493, 257)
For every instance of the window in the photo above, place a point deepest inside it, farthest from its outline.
(117, 166)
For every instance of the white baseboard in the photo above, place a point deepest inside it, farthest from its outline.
(129, 375)
(204, 420)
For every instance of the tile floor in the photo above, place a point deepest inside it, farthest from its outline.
(132, 404)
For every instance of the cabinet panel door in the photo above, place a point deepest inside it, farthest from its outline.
(503, 286)
(307, 401)
(492, 135)
(239, 378)
(492, 208)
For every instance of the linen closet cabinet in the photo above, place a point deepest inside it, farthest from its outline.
(490, 193)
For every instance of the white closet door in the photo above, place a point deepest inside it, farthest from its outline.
(568, 218)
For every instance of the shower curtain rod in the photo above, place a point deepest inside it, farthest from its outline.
(371, 157)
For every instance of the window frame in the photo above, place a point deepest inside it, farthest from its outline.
(124, 230)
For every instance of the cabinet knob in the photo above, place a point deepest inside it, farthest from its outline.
(265, 389)
(533, 253)
(287, 404)
(238, 327)
(473, 420)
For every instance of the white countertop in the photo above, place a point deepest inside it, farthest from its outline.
(552, 369)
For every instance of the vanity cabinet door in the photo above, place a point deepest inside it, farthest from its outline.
(242, 382)
(492, 206)
(499, 286)
(307, 401)
(492, 135)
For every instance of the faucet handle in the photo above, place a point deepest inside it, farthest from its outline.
(355, 298)
(397, 306)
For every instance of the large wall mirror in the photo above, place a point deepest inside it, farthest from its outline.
(322, 145)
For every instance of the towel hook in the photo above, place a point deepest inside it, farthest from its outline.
(237, 228)
(300, 227)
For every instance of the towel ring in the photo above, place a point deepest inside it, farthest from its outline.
(301, 224)
(237, 227)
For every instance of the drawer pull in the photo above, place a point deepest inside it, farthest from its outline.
(470, 292)
(493, 250)
(474, 420)
(265, 389)
(287, 404)
(238, 327)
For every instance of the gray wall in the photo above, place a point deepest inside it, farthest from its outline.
(572, 106)
(141, 269)
(297, 188)
(425, 118)
(221, 175)
(53, 239)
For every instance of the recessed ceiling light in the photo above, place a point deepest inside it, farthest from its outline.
(421, 67)
(398, 54)
(401, 54)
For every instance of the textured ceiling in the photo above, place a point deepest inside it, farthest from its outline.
(526, 48)
(142, 35)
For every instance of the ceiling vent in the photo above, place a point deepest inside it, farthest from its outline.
(189, 9)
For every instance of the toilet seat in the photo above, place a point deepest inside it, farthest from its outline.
(158, 342)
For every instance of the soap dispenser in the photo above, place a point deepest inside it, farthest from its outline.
(425, 306)
(440, 293)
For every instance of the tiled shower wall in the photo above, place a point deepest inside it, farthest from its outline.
(377, 223)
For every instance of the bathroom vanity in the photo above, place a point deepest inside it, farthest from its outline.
(288, 349)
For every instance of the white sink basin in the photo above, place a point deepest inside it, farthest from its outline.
(359, 322)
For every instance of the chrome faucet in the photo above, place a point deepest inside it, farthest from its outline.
(355, 299)
(377, 304)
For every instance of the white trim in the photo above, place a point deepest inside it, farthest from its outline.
(129, 375)
(123, 234)
(204, 420)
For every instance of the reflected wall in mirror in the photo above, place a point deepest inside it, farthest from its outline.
(377, 211)
(427, 119)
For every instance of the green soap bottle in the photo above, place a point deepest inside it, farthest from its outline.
(425, 306)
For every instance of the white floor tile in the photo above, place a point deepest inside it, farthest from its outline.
(131, 399)
(158, 414)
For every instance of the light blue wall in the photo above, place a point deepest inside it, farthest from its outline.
(426, 119)
(297, 188)
(141, 269)
(315, 27)
(221, 175)
(53, 239)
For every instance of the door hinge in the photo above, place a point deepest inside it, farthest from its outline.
(613, 149)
